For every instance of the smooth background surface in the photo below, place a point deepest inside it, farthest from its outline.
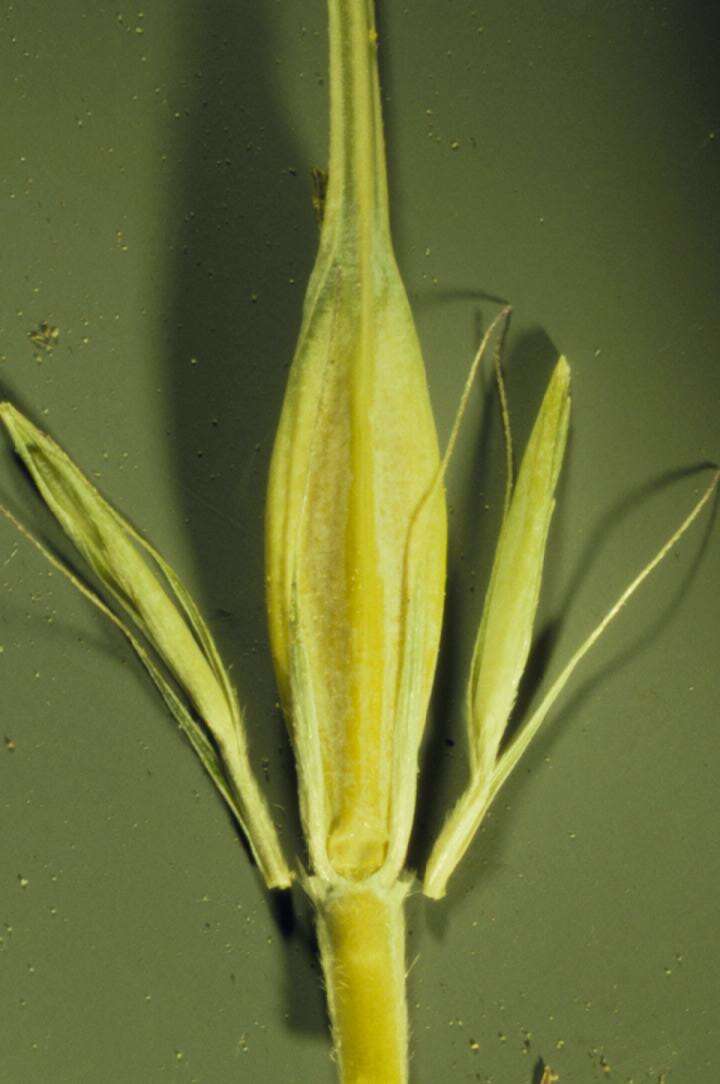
(155, 207)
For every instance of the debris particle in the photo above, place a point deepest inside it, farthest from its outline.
(22, 881)
(10, 744)
(474, 1044)
(549, 1077)
(45, 337)
(602, 1062)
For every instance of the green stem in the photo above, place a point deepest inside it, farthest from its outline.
(357, 198)
(361, 932)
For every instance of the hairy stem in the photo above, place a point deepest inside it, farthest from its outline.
(361, 932)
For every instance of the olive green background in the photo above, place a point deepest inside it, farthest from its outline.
(155, 208)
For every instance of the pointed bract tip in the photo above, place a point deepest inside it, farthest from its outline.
(563, 367)
(559, 385)
(18, 426)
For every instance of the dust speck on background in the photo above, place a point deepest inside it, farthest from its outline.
(45, 337)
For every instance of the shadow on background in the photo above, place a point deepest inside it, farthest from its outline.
(246, 230)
